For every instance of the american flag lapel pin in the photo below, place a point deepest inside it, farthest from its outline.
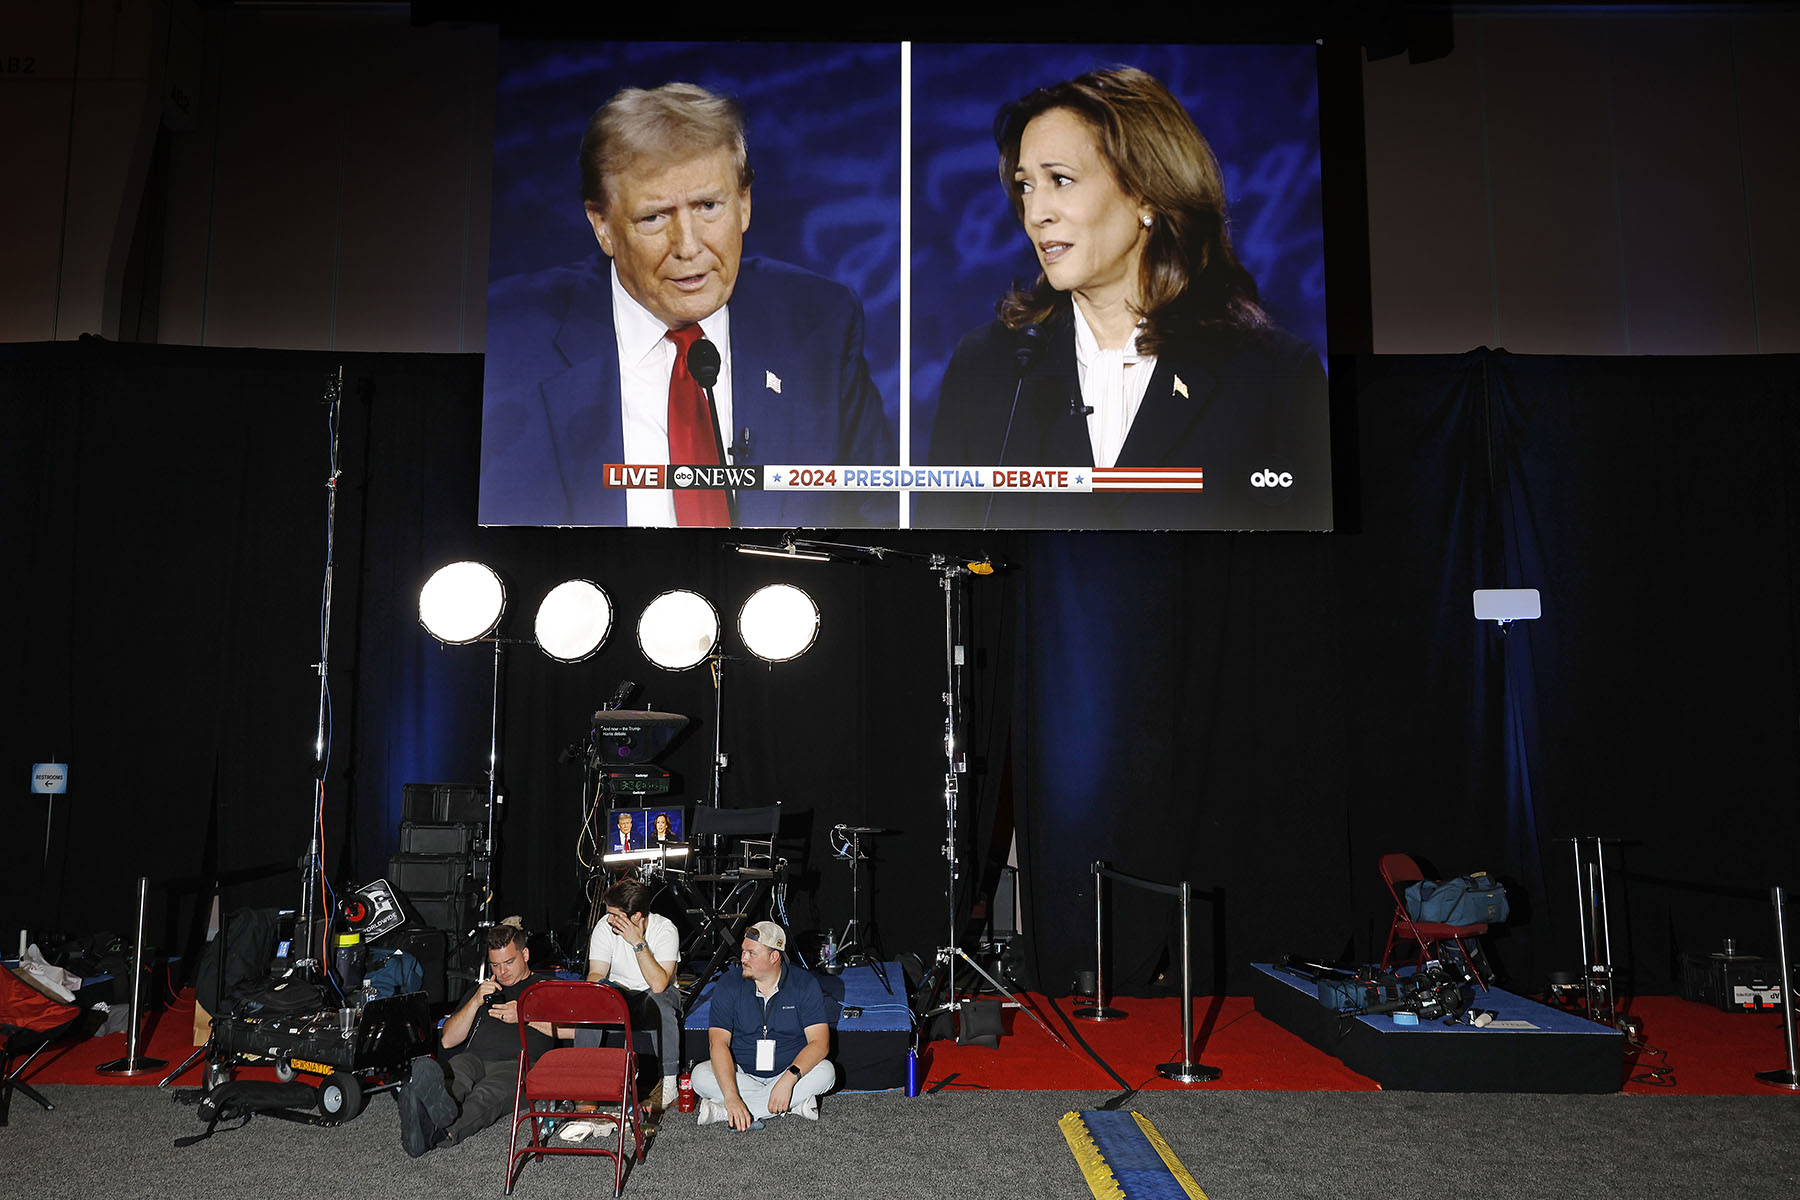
(1180, 388)
(772, 381)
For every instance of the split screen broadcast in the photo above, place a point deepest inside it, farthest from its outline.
(1100, 304)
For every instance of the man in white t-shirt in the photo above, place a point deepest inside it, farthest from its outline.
(638, 951)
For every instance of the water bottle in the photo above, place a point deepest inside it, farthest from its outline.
(348, 962)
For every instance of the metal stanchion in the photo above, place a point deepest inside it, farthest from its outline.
(1187, 1070)
(132, 1064)
(1098, 1011)
(1790, 1078)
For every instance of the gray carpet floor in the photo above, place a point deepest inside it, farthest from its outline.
(118, 1142)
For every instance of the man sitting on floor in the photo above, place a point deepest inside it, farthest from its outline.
(768, 1039)
(483, 1032)
(637, 951)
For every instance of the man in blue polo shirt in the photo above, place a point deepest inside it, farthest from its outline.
(767, 1040)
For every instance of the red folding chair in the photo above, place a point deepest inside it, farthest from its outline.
(604, 1075)
(1398, 870)
(29, 1021)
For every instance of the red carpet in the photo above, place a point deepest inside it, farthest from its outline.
(1709, 1052)
(168, 1035)
(1253, 1053)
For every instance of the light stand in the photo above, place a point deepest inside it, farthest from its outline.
(495, 798)
(678, 631)
(716, 668)
(461, 604)
(482, 863)
(308, 924)
(951, 573)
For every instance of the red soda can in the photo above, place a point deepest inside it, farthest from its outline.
(685, 1093)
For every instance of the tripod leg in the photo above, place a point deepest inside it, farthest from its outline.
(189, 1061)
(1023, 1007)
(928, 989)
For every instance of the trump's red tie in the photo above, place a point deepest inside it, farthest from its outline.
(691, 437)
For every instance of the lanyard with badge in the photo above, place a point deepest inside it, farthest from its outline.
(765, 1045)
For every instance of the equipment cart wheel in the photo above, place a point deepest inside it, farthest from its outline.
(340, 1097)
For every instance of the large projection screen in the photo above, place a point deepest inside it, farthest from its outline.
(1227, 427)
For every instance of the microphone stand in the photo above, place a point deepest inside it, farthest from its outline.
(703, 365)
(1029, 339)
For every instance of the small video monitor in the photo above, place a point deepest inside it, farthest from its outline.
(646, 828)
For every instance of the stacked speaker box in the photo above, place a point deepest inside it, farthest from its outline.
(441, 871)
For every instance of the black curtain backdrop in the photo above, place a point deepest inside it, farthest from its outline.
(1262, 715)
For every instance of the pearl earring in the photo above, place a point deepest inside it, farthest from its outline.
(1147, 220)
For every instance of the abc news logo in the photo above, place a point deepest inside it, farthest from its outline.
(715, 477)
(1270, 478)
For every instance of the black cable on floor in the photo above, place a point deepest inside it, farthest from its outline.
(1091, 1053)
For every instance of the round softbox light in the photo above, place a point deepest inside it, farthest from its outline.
(573, 620)
(779, 622)
(678, 630)
(463, 602)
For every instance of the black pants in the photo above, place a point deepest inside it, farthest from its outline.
(483, 1089)
(660, 1011)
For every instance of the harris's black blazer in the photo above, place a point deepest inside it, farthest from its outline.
(1249, 408)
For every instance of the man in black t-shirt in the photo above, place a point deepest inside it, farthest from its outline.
(482, 1039)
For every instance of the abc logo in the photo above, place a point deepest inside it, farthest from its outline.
(684, 476)
(1272, 479)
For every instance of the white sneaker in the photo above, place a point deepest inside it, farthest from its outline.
(808, 1108)
(710, 1112)
(670, 1095)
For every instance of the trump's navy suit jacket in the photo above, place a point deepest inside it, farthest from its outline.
(551, 417)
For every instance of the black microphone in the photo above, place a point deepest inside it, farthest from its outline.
(703, 364)
(1029, 340)
(625, 689)
(1026, 343)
